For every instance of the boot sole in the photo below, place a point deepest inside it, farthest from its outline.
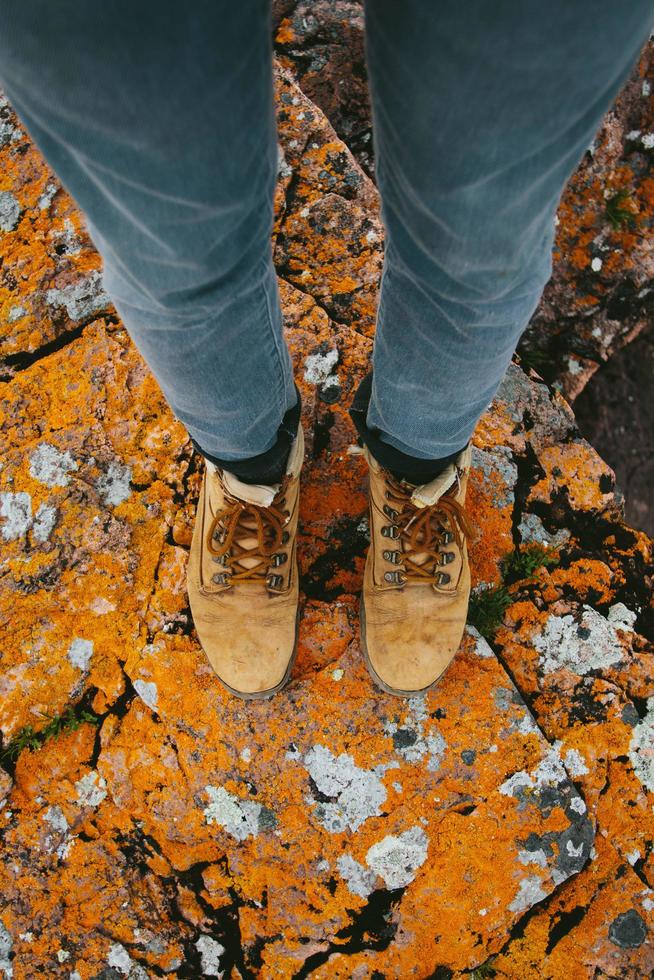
(398, 692)
(270, 691)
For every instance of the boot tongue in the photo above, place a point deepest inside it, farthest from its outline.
(252, 493)
(427, 494)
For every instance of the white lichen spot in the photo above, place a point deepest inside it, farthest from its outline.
(44, 521)
(210, 951)
(574, 367)
(577, 804)
(355, 794)
(16, 313)
(238, 817)
(622, 617)
(59, 841)
(81, 299)
(147, 691)
(482, 648)
(91, 789)
(647, 139)
(119, 959)
(246, 754)
(337, 674)
(80, 653)
(574, 851)
(396, 859)
(530, 892)
(641, 748)
(575, 763)
(538, 857)
(648, 904)
(113, 486)
(6, 945)
(549, 772)
(100, 606)
(63, 955)
(15, 514)
(646, 88)
(50, 466)
(9, 211)
(580, 646)
(411, 741)
(319, 367)
(633, 857)
(360, 880)
(633, 134)
(596, 264)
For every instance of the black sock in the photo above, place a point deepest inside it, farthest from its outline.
(402, 466)
(268, 467)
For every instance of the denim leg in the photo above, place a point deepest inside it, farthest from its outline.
(158, 117)
(481, 111)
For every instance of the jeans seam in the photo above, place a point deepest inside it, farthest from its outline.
(276, 340)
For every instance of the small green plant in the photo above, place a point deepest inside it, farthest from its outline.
(532, 358)
(29, 738)
(525, 562)
(484, 970)
(487, 608)
(618, 215)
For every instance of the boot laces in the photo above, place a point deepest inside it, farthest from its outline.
(245, 537)
(423, 531)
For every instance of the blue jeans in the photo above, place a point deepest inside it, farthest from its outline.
(158, 117)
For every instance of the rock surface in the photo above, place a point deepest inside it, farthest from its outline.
(154, 826)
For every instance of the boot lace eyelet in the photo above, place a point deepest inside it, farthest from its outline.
(392, 556)
(447, 557)
(285, 537)
(395, 577)
(442, 578)
(279, 558)
(220, 579)
(390, 512)
(274, 581)
(390, 531)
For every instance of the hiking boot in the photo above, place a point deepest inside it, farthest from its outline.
(242, 577)
(416, 583)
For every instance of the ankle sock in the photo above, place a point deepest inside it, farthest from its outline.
(402, 466)
(269, 467)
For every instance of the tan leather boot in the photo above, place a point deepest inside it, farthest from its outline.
(417, 578)
(242, 577)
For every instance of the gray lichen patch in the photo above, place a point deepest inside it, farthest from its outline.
(91, 789)
(240, 818)
(210, 951)
(411, 741)
(482, 647)
(397, 859)
(15, 514)
(44, 521)
(6, 946)
(51, 466)
(628, 930)
(82, 299)
(80, 652)
(9, 211)
(359, 880)
(530, 891)
(148, 693)
(58, 840)
(581, 644)
(350, 795)
(532, 531)
(641, 748)
(120, 961)
(495, 463)
(319, 367)
(113, 486)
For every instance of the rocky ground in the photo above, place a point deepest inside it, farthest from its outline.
(153, 826)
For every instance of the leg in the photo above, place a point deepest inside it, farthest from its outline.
(481, 112)
(159, 120)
